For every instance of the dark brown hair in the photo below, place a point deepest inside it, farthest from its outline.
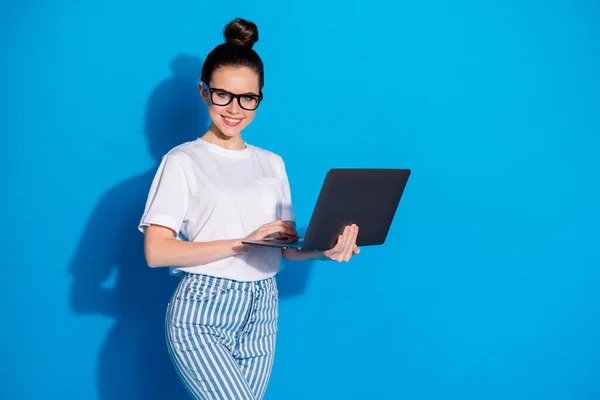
(240, 36)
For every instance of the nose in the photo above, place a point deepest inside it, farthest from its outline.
(234, 107)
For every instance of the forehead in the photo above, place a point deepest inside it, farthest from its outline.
(235, 79)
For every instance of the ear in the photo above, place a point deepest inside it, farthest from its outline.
(203, 93)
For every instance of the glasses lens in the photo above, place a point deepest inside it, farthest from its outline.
(221, 97)
(249, 102)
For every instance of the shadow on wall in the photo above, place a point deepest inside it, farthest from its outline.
(109, 273)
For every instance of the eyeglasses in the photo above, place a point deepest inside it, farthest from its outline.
(220, 97)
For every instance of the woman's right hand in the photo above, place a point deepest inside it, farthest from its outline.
(285, 229)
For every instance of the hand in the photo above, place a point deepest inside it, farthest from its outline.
(345, 247)
(285, 229)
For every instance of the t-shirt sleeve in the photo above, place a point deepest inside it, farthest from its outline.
(287, 209)
(168, 197)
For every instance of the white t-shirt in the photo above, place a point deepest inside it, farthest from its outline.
(205, 192)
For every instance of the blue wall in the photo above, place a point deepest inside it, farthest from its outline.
(488, 285)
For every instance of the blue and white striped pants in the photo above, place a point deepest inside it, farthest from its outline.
(221, 336)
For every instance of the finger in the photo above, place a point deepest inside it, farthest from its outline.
(345, 242)
(338, 255)
(338, 245)
(341, 245)
(275, 229)
(285, 227)
(356, 249)
(350, 237)
(354, 237)
(278, 225)
(335, 250)
(290, 224)
(292, 228)
(351, 242)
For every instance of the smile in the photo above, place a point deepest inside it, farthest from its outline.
(231, 121)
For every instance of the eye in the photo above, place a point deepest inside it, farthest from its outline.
(247, 99)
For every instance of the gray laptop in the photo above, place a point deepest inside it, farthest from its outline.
(368, 198)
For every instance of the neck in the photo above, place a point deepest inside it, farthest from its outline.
(215, 136)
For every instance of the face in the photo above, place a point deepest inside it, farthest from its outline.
(231, 119)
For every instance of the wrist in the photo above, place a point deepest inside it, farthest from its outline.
(237, 247)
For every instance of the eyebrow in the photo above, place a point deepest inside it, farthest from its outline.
(240, 94)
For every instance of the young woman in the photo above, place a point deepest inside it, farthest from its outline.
(209, 195)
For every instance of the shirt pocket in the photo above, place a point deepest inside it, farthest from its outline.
(271, 196)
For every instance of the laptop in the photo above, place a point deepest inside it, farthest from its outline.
(368, 198)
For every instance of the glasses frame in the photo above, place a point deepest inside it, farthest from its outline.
(258, 97)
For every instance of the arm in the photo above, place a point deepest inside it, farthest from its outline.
(164, 214)
(163, 250)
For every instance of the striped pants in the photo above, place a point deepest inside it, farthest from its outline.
(221, 336)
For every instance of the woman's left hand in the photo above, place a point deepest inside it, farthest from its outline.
(345, 247)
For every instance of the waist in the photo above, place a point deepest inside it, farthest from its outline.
(227, 283)
(256, 265)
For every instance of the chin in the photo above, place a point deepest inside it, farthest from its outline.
(230, 131)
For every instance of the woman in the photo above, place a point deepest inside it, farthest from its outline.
(207, 197)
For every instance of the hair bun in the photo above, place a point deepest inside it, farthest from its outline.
(241, 32)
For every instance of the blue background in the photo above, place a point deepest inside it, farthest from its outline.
(487, 287)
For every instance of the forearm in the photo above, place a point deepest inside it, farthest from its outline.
(295, 255)
(176, 253)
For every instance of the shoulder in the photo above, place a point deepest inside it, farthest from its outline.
(183, 152)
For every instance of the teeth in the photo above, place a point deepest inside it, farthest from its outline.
(231, 120)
